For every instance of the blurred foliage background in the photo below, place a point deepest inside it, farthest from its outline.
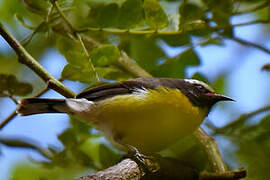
(224, 43)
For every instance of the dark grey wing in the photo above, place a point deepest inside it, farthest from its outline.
(127, 87)
(116, 88)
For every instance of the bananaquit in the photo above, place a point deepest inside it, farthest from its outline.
(146, 113)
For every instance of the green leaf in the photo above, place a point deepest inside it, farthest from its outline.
(200, 77)
(23, 23)
(219, 84)
(131, 14)
(75, 73)
(175, 67)
(104, 15)
(155, 16)
(65, 45)
(221, 12)
(146, 52)
(37, 6)
(91, 148)
(76, 58)
(113, 73)
(105, 55)
(190, 14)
(11, 86)
(177, 40)
(78, 68)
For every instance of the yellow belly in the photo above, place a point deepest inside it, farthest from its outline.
(150, 121)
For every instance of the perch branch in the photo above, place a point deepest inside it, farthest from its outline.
(169, 168)
(211, 149)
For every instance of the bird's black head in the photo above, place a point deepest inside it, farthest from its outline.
(200, 94)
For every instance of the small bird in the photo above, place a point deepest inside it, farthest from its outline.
(148, 114)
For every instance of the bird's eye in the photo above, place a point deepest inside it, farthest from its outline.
(199, 86)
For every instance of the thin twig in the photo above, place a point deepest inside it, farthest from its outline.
(8, 119)
(55, 4)
(240, 120)
(252, 23)
(24, 143)
(251, 10)
(251, 44)
(131, 32)
(14, 114)
(77, 35)
(29, 61)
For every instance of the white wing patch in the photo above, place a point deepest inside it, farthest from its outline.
(140, 92)
(195, 81)
(79, 105)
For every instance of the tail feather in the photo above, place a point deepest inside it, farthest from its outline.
(30, 106)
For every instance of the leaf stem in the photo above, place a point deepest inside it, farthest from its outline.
(91, 66)
(77, 35)
(131, 32)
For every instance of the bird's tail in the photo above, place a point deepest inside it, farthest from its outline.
(30, 106)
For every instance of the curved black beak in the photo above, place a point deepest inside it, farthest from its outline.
(218, 97)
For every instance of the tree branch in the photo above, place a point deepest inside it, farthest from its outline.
(25, 143)
(240, 120)
(251, 10)
(252, 23)
(236, 174)
(210, 147)
(8, 119)
(248, 43)
(25, 58)
(169, 168)
(131, 32)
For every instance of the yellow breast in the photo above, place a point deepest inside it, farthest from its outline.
(150, 120)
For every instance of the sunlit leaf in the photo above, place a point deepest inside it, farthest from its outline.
(155, 16)
(75, 73)
(105, 55)
(219, 84)
(200, 77)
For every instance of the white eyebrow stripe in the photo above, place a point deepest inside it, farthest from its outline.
(195, 81)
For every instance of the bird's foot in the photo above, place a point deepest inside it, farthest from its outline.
(142, 160)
